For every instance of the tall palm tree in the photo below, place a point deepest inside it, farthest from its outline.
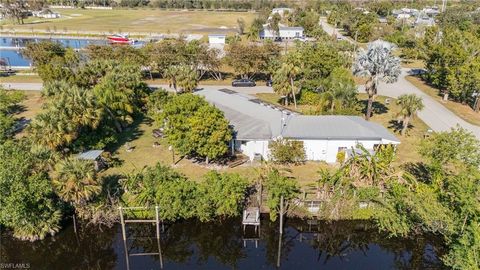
(410, 104)
(284, 77)
(187, 79)
(171, 75)
(76, 182)
(377, 64)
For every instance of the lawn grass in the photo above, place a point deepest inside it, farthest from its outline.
(136, 20)
(19, 78)
(407, 63)
(384, 114)
(461, 110)
(31, 106)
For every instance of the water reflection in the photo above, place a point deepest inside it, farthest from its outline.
(223, 245)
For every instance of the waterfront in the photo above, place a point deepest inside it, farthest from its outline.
(11, 46)
(220, 245)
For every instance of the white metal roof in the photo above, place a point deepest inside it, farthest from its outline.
(253, 119)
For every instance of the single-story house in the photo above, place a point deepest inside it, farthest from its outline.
(217, 38)
(284, 32)
(256, 124)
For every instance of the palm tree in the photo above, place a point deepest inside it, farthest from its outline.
(171, 74)
(187, 79)
(410, 104)
(377, 64)
(76, 182)
(284, 81)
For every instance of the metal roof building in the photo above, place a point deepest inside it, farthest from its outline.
(255, 123)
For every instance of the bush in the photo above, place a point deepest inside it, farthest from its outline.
(309, 98)
(286, 151)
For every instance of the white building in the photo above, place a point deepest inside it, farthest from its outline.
(281, 11)
(256, 124)
(46, 14)
(284, 32)
(217, 39)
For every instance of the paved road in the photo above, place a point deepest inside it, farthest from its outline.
(330, 30)
(435, 115)
(245, 90)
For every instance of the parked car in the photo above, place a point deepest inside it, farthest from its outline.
(269, 83)
(244, 83)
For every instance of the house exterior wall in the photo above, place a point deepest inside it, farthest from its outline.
(267, 33)
(216, 39)
(317, 150)
(250, 148)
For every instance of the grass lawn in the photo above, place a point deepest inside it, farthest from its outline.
(31, 106)
(136, 20)
(19, 78)
(461, 110)
(406, 63)
(385, 115)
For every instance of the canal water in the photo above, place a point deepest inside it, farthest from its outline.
(223, 245)
(10, 47)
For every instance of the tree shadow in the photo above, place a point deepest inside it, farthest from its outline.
(377, 107)
(397, 126)
(131, 133)
(419, 170)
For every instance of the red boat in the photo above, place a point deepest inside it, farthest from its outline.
(119, 39)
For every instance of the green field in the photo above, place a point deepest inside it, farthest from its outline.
(133, 20)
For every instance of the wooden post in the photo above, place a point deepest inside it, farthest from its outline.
(122, 221)
(281, 215)
(160, 253)
(157, 221)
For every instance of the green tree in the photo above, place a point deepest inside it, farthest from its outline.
(186, 79)
(410, 104)
(67, 111)
(377, 64)
(277, 186)
(161, 186)
(255, 28)
(28, 204)
(249, 60)
(76, 181)
(284, 82)
(338, 91)
(8, 103)
(120, 93)
(194, 127)
(221, 195)
(209, 133)
(456, 147)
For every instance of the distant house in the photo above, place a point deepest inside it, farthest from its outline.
(281, 11)
(284, 32)
(424, 21)
(46, 14)
(217, 39)
(256, 124)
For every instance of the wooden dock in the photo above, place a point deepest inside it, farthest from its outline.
(251, 216)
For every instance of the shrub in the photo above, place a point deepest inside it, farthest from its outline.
(309, 98)
(286, 151)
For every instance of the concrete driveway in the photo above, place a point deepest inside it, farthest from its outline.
(435, 115)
